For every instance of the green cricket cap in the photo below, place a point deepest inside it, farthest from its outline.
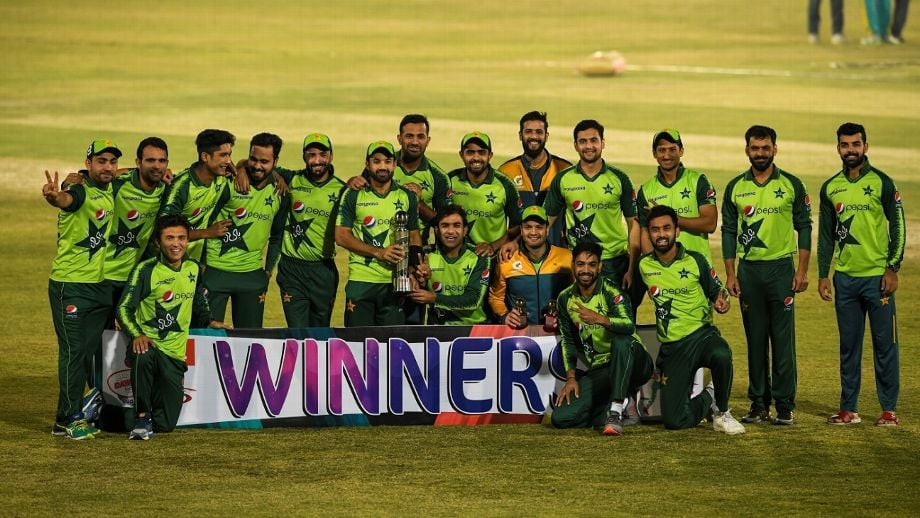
(317, 139)
(671, 135)
(534, 212)
(381, 146)
(477, 137)
(99, 146)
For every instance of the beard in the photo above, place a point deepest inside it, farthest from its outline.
(852, 159)
(761, 164)
(664, 245)
(532, 153)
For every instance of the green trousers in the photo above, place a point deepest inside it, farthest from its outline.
(157, 383)
(308, 290)
(78, 311)
(630, 367)
(372, 304)
(768, 314)
(244, 290)
(678, 362)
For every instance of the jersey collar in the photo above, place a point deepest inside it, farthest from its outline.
(749, 175)
(423, 164)
(863, 171)
(600, 173)
(162, 260)
(88, 180)
(490, 176)
(681, 252)
(680, 172)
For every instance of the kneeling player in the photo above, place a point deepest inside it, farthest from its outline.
(685, 289)
(595, 319)
(162, 298)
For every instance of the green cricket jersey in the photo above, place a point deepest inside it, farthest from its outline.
(592, 342)
(865, 220)
(491, 207)
(83, 228)
(595, 208)
(767, 214)
(690, 191)
(430, 178)
(369, 215)
(460, 285)
(136, 212)
(256, 221)
(681, 292)
(309, 234)
(160, 302)
(188, 196)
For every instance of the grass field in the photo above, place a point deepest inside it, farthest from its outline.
(79, 70)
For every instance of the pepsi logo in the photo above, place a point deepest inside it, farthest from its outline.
(808, 201)
(196, 212)
(485, 275)
(299, 207)
(710, 194)
(369, 221)
(437, 287)
(240, 213)
(70, 309)
(520, 203)
(101, 214)
(749, 210)
(654, 291)
(839, 207)
(713, 274)
(897, 197)
(788, 301)
(578, 206)
(168, 296)
(133, 214)
(617, 300)
(634, 195)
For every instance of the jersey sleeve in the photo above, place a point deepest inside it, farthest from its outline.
(729, 223)
(413, 210)
(642, 207)
(628, 196)
(620, 314)
(346, 215)
(513, 200)
(897, 230)
(569, 331)
(136, 289)
(497, 292)
(78, 195)
(286, 174)
(176, 196)
(827, 223)
(201, 310)
(801, 214)
(705, 192)
(276, 236)
(441, 188)
(555, 203)
(709, 280)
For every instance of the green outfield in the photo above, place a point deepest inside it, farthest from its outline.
(79, 70)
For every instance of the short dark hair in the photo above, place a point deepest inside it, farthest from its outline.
(586, 125)
(414, 118)
(759, 132)
(156, 142)
(210, 140)
(267, 139)
(851, 128)
(589, 247)
(662, 210)
(534, 116)
(450, 210)
(170, 220)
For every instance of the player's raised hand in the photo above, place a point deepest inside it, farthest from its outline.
(50, 189)
(423, 269)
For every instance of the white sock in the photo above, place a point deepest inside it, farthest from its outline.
(617, 406)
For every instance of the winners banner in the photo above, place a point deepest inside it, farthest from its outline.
(439, 375)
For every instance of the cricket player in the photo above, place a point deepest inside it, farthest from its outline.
(164, 296)
(685, 289)
(79, 302)
(363, 227)
(597, 327)
(862, 232)
(453, 279)
(763, 211)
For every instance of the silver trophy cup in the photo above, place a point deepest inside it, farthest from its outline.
(401, 237)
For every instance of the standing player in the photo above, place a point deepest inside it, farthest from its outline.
(685, 289)
(78, 298)
(490, 199)
(363, 227)
(861, 214)
(596, 324)
(536, 273)
(453, 280)
(599, 204)
(307, 274)
(235, 270)
(533, 171)
(163, 296)
(195, 191)
(686, 191)
(768, 204)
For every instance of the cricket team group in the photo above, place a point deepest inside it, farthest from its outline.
(536, 241)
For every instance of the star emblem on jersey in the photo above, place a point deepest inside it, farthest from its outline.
(663, 314)
(467, 270)
(779, 192)
(125, 237)
(234, 238)
(490, 198)
(844, 237)
(684, 273)
(425, 185)
(298, 232)
(191, 277)
(333, 198)
(685, 193)
(269, 201)
(748, 237)
(608, 189)
(95, 239)
(165, 320)
(377, 240)
(867, 190)
(398, 204)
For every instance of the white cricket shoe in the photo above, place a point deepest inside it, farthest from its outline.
(726, 423)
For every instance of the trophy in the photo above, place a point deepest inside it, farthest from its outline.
(550, 323)
(521, 305)
(401, 283)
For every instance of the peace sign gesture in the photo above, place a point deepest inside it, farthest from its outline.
(423, 270)
(53, 194)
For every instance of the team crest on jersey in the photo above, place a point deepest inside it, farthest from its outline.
(710, 194)
(578, 206)
(517, 265)
(749, 211)
(519, 181)
(437, 287)
(520, 203)
(839, 207)
(133, 214)
(654, 292)
(240, 213)
(196, 212)
(101, 214)
(71, 310)
(618, 300)
(168, 296)
(299, 207)
(369, 221)
(897, 197)
(788, 301)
